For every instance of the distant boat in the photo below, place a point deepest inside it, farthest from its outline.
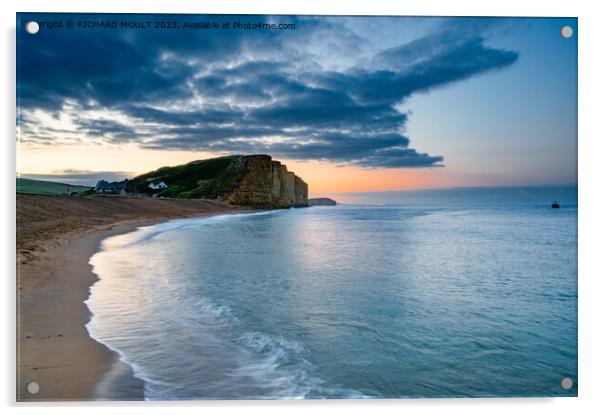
(555, 205)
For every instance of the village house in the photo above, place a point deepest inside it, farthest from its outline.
(112, 188)
(157, 186)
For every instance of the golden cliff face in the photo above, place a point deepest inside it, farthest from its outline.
(268, 184)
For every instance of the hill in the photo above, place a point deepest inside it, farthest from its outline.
(253, 180)
(43, 187)
(201, 179)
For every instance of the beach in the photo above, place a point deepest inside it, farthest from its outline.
(327, 302)
(56, 236)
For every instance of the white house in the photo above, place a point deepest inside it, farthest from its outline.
(157, 186)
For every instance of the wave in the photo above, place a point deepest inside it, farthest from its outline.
(146, 233)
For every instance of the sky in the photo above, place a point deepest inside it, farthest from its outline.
(350, 104)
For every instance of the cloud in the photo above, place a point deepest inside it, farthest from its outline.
(280, 92)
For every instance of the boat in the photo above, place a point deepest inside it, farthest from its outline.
(555, 205)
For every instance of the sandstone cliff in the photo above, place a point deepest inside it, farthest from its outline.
(267, 183)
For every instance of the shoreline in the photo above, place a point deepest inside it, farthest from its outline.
(54, 348)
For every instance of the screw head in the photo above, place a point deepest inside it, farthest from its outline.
(33, 387)
(32, 28)
(566, 383)
(566, 32)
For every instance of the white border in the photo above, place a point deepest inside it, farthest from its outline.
(590, 206)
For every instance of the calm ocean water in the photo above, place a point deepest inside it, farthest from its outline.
(470, 299)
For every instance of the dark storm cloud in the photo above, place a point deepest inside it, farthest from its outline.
(246, 91)
(57, 66)
(102, 128)
(224, 114)
(441, 64)
(121, 65)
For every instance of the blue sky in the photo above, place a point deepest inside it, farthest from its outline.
(477, 100)
(519, 126)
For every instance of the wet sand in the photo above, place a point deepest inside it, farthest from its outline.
(53, 345)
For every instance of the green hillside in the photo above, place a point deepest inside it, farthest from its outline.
(202, 179)
(42, 187)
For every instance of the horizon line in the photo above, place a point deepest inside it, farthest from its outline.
(500, 186)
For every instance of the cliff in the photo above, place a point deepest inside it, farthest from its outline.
(267, 183)
(255, 181)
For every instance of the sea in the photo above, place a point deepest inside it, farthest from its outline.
(436, 293)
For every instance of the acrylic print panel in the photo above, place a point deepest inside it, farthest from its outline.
(249, 207)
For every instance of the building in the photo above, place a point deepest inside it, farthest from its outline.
(157, 186)
(113, 187)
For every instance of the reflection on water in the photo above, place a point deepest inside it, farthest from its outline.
(345, 302)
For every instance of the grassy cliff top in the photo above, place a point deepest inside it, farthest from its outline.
(202, 179)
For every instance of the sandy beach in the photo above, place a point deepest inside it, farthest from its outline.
(56, 236)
